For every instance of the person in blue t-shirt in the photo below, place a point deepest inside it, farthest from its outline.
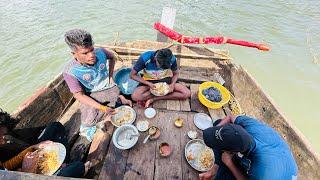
(157, 66)
(246, 148)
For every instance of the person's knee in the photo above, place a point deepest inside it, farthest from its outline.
(138, 95)
(135, 96)
(186, 93)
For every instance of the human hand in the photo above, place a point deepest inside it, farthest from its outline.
(29, 163)
(109, 111)
(125, 101)
(151, 85)
(206, 176)
(171, 88)
(2, 140)
(227, 158)
(209, 174)
(106, 109)
(42, 144)
(5, 140)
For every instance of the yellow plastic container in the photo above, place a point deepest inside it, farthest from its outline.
(225, 95)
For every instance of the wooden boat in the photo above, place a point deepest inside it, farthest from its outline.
(197, 64)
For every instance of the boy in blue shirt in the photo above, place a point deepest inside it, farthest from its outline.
(247, 148)
(89, 77)
(157, 66)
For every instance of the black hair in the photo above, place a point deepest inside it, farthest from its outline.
(163, 56)
(6, 120)
(78, 37)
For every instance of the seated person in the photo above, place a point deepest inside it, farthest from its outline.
(89, 78)
(157, 66)
(26, 161)
(16, 149)
(13, 141)
(246, 148)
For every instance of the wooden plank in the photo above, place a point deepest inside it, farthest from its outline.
(193, 77)
(80, 149)
(64, 93)
(140, 163)
(195, 103)
(187, 171)
(161, 104)
(13, 175)
(114, 164)
(169, 167)
(185, 105)
(216, 114)
(72, 121)
(227, 109)
(173, 105)
(135, 52)
(98, 149)
(185, 84)
(167, 19)
(43, 107)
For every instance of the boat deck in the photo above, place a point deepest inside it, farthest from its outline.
(143, 161)
(197, 64)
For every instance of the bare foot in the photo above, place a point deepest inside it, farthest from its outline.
(148, 102)
(141, 103)
(125, 101)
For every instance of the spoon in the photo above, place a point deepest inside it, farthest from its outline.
(130, 136)
(152, 131)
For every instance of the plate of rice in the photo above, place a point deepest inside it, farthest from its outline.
(161, 89)
(50, 158)
(123, 115)
(199, 156)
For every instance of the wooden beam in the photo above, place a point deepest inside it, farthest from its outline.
(216, 114)
(99, 149)
(173, 105)
(12, 175)
(136, 52)
(195, 103)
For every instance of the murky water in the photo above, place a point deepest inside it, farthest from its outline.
(33, 51)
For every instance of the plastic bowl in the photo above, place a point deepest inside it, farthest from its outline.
(124, 82)
(225, 95)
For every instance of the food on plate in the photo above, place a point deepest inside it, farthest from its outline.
(206, 158)
(48, 160)
(190, 157)
(161, 89)
(123, 115)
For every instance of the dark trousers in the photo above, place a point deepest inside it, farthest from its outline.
(75, 169)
